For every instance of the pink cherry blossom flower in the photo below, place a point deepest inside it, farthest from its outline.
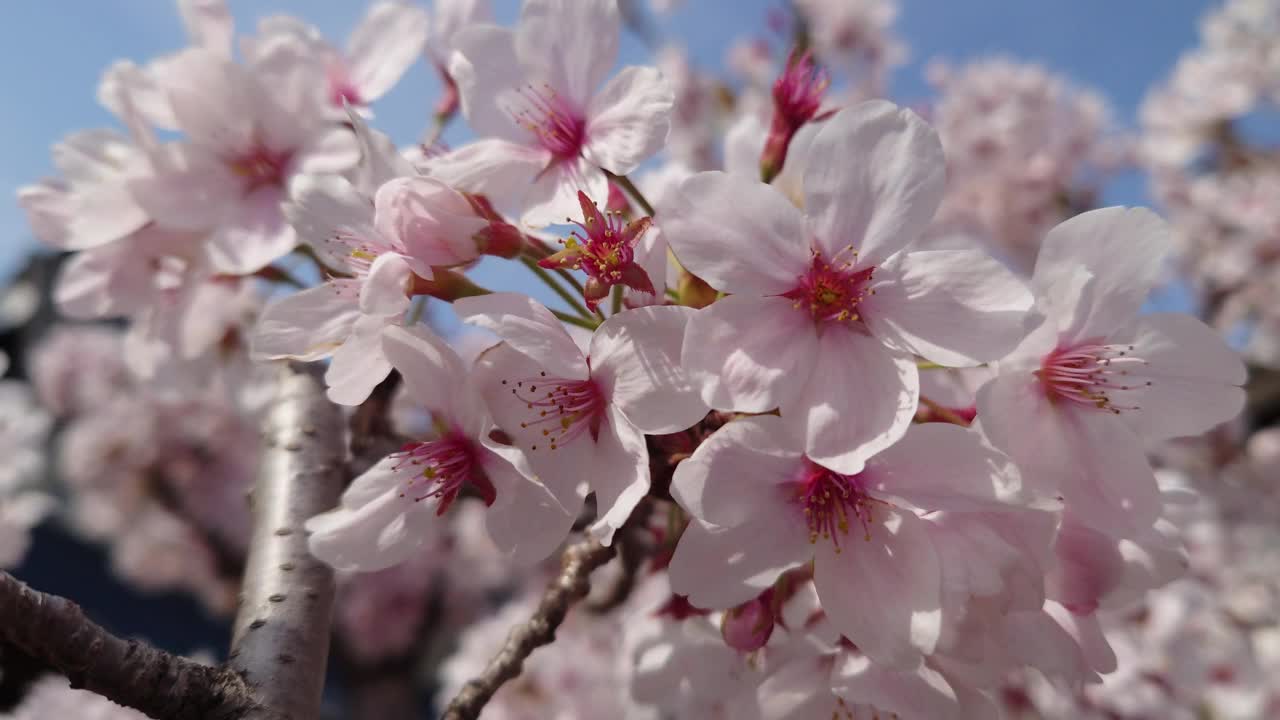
(243, 144)
(760, 507)
(1074, 403)
(606, 251)
(411, 225)
(829, 304)
(388, 512)
(580, 416)
(549, 129)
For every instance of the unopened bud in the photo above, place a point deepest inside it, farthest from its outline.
(501, 239)
(747, 627)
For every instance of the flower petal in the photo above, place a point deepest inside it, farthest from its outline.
(738, 234)
(526, 522)
(385, 290)
(735, 473)
(309, 325)
(629, 119)
(485, 68)
(724, 567)
(749, 354)
(1122, 249)
(1087, 455)
(939, 466)
(1195, 376)
(954, 307)
(383, 46)
(253, 236)
(635, 356)
(859, 399)
(529, 328)
(359, 365)
(323, 207)
(619, 474)
(920, 692)
(499, 169)
(572, 44)
(874, 179)
(884, 594)
(375, 526)
(434, 376)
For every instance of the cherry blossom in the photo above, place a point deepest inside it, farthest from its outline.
(1075, 402)
(829, 304)
(549, 128)
(761, 507)
(380, 245)
(387, 514)
(244, 144)
(605, 251)
(578, 415)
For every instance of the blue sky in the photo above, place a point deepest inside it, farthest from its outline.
(52, 54)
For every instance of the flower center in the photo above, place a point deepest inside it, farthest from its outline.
(261, 167)
(341, 89)
(565, 409)
(1087, 375)
(559, 127)
(831, 290)
(361, 249)
(830, 501)
(439, 468)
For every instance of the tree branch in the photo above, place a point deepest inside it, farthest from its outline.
(570, 586)
(281, 639)
(55, 631)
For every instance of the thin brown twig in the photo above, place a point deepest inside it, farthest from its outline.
(571, 585)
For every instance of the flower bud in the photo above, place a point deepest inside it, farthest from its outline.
(747, 627)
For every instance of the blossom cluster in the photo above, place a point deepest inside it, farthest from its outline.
(1217, 175)
(870, 399)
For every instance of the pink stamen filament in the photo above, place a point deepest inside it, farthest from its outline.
(261, 167)
(559, 127)
(831, 290)
(439, 468)
(830, 501)
(565, 408)
(360, 250)
(1086, 374)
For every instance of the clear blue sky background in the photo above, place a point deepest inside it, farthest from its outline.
(53, 52)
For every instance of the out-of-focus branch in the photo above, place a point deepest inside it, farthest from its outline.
(577, 563)
(55, 631)
(373, 436)
(633, 548)
(280, 643)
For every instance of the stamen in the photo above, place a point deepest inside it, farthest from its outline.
(561, 409)
(831, 290)
(830, 501)
(261, 167)
(439, 468)
(559, 127)
(1087, 374)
